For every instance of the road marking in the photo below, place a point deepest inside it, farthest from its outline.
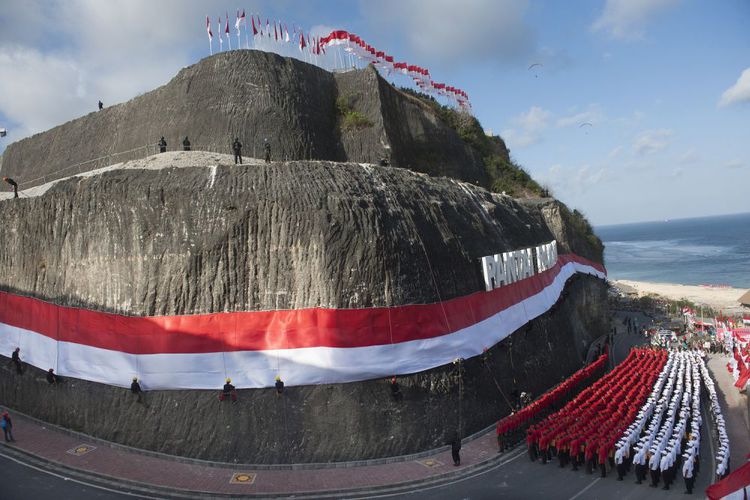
(442, 485)
(585, 489)
(84, 483)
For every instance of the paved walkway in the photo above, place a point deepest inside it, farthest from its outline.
(92, 459)
(734, 406)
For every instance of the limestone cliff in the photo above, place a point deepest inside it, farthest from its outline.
(187, 233)
(254, 96)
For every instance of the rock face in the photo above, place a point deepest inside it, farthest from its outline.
(187, 233)
(285, 235)
(253, 96)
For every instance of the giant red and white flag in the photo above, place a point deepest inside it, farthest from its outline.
(736, 486)
(306, 346)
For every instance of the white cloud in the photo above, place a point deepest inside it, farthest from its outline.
(444, 32)
(535, 119)
(688, 157)
(57, 59)
(30, 98)
(615, 152)
(735, 163)
(627, 19)
(593, 115)
(571, 182)
(527, 127)
(652, 141)
(739, 92)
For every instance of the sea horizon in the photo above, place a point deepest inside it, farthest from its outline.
(711, 250)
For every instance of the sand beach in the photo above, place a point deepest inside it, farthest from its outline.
(722, 298)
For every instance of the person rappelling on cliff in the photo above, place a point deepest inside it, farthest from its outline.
(186, 144)
(267, 148)
(52, 378)
(16, 359)
(135, 388)
(228, 391)
(279, 386)
(163, 145)
(237, 148)
(13, 184)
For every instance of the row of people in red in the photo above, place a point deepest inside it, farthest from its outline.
(586, 429)
(510, 429)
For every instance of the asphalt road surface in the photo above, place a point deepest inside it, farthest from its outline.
(21, 482)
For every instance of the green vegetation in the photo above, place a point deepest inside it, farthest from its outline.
(350, 119)
(582, 226)
(503, 172)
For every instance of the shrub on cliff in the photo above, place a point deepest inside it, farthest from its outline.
(349, 118)
(504, 173)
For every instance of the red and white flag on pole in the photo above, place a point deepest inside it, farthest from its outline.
(302, 43)
(226, 31)
(268, 28)
(275, 32)
(221, 41)
(252, 21)
(286, 34)
(210, 36)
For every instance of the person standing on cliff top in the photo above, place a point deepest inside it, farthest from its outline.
(267, 147)
(101, 105)
(13, 184)
(186, 144)
(163, 145)
(237, 148)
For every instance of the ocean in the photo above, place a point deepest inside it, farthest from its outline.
(706, 250)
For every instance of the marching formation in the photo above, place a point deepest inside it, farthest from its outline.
(509, 428)
(646, 413)
(585, 431)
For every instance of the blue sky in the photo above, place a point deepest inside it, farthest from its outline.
(664, 83)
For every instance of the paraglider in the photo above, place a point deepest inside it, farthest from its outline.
(3, 132)
(584, 125)
(532, 66)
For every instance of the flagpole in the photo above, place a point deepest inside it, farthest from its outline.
(210, 47)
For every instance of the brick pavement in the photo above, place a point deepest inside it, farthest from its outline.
(115, 463)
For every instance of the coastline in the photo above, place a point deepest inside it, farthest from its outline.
(724, 298)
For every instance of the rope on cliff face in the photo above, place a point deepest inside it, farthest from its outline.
(458, 363)
(486, 363)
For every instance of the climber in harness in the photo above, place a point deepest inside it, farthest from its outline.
(396, 390)
(279, 386)
(52, 378)
(13, 184)
(135, 388)
(237, 149)
(163, 145)
(228, 391)
(186, 144)
(16, 359)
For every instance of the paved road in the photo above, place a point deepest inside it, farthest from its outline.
(21, 482)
